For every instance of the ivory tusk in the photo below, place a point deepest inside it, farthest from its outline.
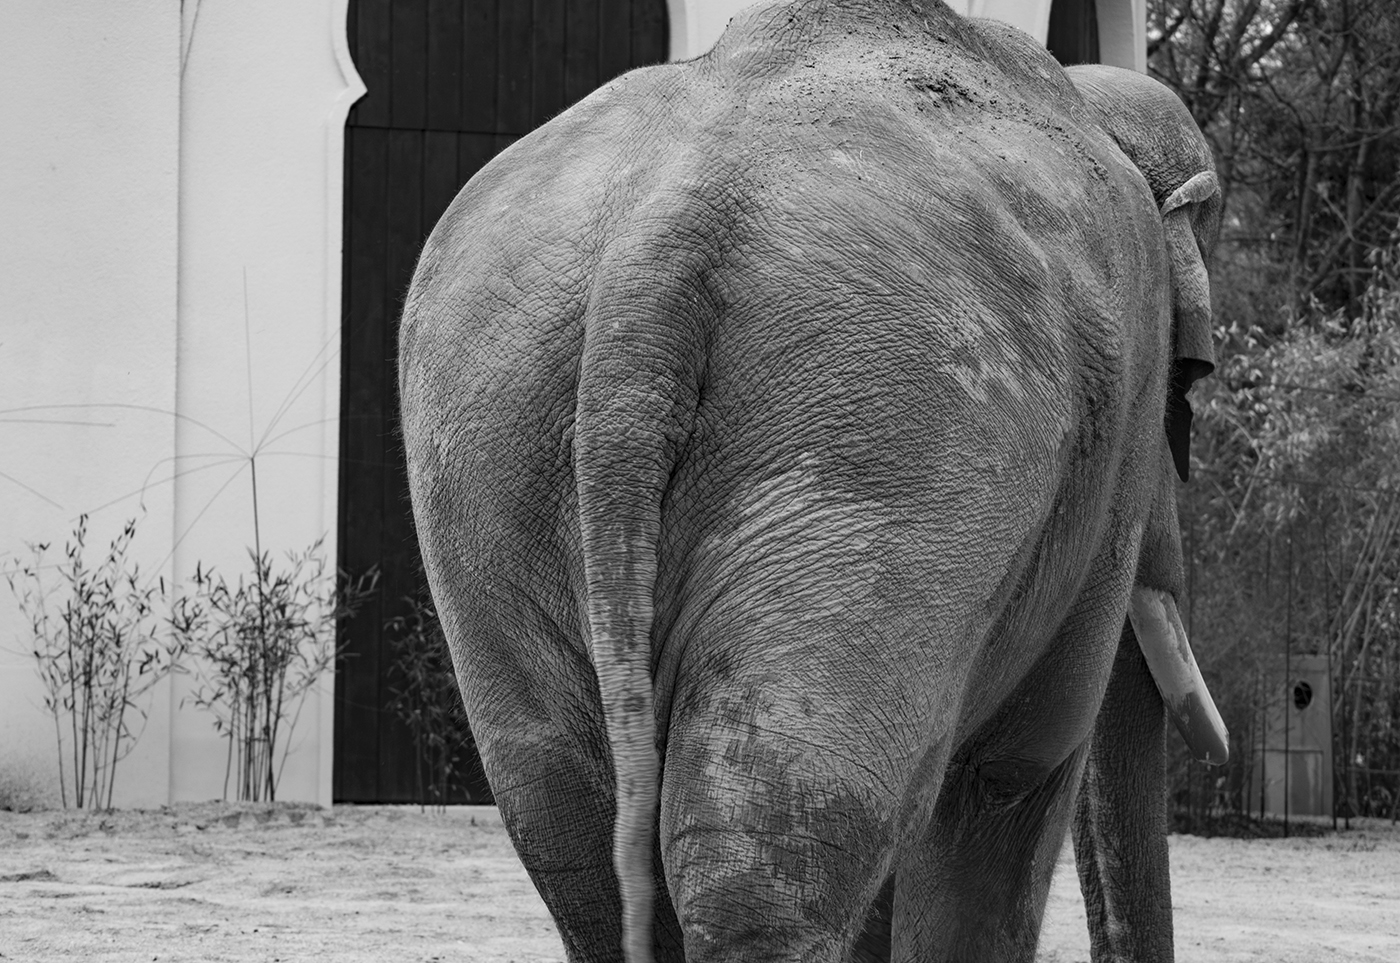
(1162, 637)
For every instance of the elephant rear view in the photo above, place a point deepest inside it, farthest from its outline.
(785, 432)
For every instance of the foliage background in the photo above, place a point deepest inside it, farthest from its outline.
(1292, 518)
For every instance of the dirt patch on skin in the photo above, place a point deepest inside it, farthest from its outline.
(213, 882)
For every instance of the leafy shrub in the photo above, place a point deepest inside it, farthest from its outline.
(260, 645)
(100, 643)
(427, 700)
(1293, 540)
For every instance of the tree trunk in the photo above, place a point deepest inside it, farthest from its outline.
(1356, 253)
(1303, 229)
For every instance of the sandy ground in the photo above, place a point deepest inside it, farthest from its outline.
(214, 883)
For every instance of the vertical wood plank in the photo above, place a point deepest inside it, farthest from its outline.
(614, 38)
(440, 183)
(403, 577)
(444, 25)
(362, 400)
(1072, 36)
(547, 61)
(513, 62)
(580, 50)
(650, 35)
(369, 47)
(479, 65)
(400, 571)
(404, 217)
(409, 57)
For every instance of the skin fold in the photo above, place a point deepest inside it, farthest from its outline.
(786, 432)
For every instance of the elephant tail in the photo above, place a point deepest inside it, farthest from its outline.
(637, 393)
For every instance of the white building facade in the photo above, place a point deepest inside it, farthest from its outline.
(172, 195)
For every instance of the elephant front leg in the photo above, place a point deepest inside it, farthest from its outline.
(973, 887)
(1120, 822)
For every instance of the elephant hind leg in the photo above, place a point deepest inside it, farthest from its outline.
(556, 800)
(774, 847)
(974, 888)
(748, 891)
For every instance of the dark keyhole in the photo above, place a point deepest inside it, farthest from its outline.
(1302, 695)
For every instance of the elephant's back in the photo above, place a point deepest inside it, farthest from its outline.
(939, 313)
(908, 279)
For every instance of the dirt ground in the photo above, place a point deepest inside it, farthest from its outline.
(213, 882)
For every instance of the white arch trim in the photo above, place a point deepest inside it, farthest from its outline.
(697, 24)
(1123, 33)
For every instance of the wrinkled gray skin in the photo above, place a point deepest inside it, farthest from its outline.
(1120, 820)
(787, 426)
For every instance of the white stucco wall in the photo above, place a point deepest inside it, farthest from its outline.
(697, 24)
(88, 253)
(265, 92)
(1123, 34)
(166, 233)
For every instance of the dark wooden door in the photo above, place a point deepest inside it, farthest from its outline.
(451, 83)
(1073, 35)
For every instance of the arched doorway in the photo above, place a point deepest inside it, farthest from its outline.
(451, 83)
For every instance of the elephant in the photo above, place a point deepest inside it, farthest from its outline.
(1120, 821)
(790, 437)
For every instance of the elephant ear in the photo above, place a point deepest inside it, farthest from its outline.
(1188, 216)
